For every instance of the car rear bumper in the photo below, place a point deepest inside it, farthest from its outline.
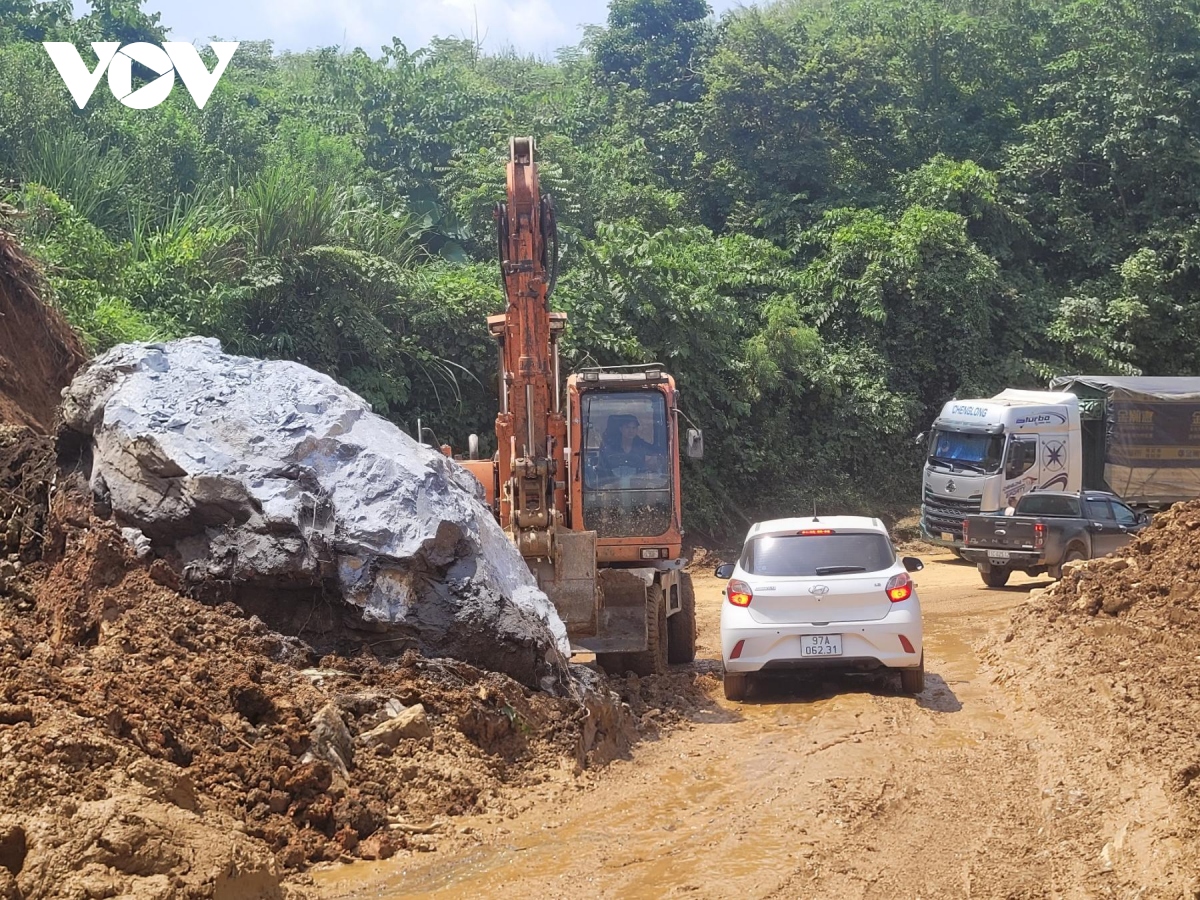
(864, 644)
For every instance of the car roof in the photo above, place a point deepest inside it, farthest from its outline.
(808, 523)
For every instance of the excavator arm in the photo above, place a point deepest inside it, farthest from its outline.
(531, 430)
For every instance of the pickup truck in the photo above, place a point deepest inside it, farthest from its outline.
(1045, 530)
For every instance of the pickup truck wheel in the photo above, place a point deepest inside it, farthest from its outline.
(995, 576)
(912, 681)
(735, 685)
(1074, 554)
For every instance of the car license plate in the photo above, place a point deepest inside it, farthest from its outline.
(998, 554)
(821, 645)
(947, 536)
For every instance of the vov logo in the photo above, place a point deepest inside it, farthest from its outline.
(165, 61)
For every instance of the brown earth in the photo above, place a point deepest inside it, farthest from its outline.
(38, 350)
(1051, 755)
(222, 747)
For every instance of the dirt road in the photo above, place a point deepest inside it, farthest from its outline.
(832, 786)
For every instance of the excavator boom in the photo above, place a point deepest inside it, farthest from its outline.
(531, 430)
(545, 484)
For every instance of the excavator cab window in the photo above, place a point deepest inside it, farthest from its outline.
(626, 465)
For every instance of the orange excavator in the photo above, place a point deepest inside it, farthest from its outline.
(586, 484)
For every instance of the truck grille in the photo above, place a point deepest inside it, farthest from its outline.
(943, 514)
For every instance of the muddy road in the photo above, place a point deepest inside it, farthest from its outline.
(821, 785)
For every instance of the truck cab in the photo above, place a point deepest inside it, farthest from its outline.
(984, 455)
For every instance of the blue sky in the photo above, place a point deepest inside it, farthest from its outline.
(531, 26)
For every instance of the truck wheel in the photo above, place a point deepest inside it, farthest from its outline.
(652, 660)
(996, 576)
(681, 627)
(1074, 554)
(735, 685)
(912, 681)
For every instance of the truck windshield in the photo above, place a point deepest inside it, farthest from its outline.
(626, 467)
(960, 449)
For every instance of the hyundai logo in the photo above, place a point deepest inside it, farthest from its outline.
(819, 590)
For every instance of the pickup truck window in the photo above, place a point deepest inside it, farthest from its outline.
(1098, 509)
(1123, 514)
(1048, 505)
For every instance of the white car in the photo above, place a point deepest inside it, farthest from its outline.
(824, 592)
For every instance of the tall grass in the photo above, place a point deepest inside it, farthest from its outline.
(96, 183)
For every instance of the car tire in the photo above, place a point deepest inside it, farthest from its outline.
(653, 660)
(912, 681)
(995, 576)
(681, 627)
(735, 684)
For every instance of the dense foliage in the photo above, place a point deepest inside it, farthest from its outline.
(826, 219)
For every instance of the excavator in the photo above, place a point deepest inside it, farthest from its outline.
(584, 481)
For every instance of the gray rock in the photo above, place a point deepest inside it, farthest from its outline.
(269, 475)
(331, 740)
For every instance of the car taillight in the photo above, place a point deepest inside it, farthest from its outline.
(966, 540)
(899, 587)
(1039, 535)
(739, 593)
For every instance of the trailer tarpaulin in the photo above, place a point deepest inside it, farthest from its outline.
(1152, 433)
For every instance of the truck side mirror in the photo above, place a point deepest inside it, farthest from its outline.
(725, 570)
(695, 443)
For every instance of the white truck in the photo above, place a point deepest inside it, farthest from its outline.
(984, 454)
(1138, 438)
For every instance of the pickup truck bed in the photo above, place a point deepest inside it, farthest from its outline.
(1047, 529)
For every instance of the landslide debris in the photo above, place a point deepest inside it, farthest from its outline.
(270, 484)
(1112, 654)
(158, 740)
(152, 745)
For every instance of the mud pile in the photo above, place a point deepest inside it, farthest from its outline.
(155, 746)
(38, 351)
(27, 470)
(274, 483)
(1113, 650)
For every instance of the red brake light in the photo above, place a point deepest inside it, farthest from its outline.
(816, 531)
(1039, 535)
(966, 540)
(739, 593)
(899, 587)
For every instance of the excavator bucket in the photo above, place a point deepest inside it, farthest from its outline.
(605, 610)
(570, 582)
(622, 614)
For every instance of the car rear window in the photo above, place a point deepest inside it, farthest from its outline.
(795, 555)
(1048, 505)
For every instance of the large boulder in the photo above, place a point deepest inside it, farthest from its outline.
(269, 476)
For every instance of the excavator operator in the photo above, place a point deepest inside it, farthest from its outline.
(622, 448)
